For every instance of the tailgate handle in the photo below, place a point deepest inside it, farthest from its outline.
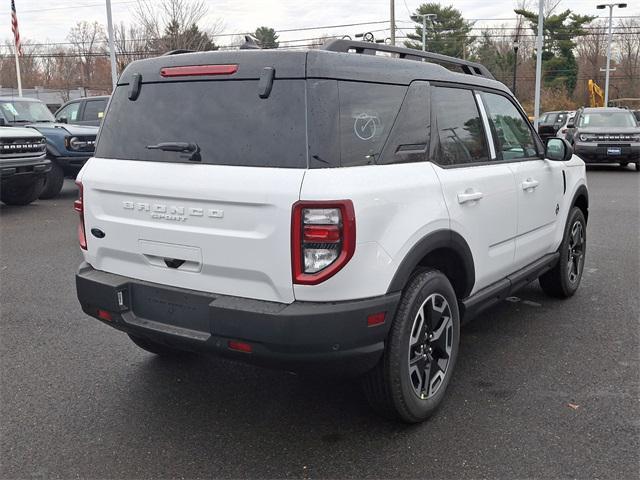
(173, 262)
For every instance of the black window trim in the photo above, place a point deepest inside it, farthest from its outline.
(475, 88)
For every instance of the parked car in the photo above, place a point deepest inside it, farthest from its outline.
(83, 111)
(344, 215)
(562, 131)
(606, 135)
(23, 165)
(550, 123)
(68, 146)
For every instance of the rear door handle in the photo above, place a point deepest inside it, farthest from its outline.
(469, 196)
(529, 183)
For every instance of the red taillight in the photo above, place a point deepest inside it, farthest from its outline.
(321, 233)
(196, 70)
(323, 239)
(239, 346)
(78, 206)
(376, 319)
(104, 315)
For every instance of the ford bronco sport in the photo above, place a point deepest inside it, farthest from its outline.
(606, 135)
(68, 146)
(23, 165)
(339, 210)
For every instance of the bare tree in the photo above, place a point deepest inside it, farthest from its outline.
(131, 43)
(86, 40)
(175, 24)
(628, 56)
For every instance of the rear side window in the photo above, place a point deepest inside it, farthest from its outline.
(367, 113)
(459, 127)
(94, 109)
(227, 120)
(510, 130)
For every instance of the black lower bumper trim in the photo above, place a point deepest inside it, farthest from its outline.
(331, 337)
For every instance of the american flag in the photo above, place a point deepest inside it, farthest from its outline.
(14, 27)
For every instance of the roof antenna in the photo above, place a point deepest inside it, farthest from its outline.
(250, 43)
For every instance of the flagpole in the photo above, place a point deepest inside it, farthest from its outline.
(15, 51)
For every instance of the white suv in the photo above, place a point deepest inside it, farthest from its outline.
(328, 210)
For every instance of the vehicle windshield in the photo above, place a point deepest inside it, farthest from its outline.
(17, 111)
(607, 119)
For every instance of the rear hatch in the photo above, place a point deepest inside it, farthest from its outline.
(196, 171)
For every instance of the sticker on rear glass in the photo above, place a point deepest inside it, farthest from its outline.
(366, 126)
(10, 108)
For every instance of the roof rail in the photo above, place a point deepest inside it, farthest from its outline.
(177, 52)
(368, 48)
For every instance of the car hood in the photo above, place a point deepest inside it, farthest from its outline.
(64, 128)
(18, 132)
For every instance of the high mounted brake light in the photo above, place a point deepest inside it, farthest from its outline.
(78, 206)
(197, 70)
(323, 239)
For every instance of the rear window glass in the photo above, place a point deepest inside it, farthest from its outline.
(227, 120)
(367, 113)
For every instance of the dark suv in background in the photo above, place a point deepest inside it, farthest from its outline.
(551, 122)
(606, 135)
(83, 111)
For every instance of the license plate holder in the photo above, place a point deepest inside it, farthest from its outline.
(171, 307)
(614, 151)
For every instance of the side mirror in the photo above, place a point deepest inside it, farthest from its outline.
(558, 149)
(571, 124)
(63, 120)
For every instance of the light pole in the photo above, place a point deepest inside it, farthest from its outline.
(392, 20)
(539, 45)
(516, 44)
(606, 82)
(112, 50)
(425, 16)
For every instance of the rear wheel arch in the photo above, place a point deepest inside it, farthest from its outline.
(444, 250)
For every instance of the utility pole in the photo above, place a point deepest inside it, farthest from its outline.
(536, 102)
(516, 44)
(425, 17)
(392, 8)
(608, 69)
(112, 53)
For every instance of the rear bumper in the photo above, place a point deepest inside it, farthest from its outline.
(592, 152)
(331, 337)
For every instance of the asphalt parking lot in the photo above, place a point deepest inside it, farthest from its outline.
(543, 388)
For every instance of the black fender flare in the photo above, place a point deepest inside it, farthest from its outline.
(581, 191)
(431, 242)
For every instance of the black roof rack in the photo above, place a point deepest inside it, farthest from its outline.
(177, 52)
(368, 48)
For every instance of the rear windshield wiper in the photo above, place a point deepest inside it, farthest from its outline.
(182, 147)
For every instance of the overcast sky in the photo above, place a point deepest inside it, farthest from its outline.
(41, 20)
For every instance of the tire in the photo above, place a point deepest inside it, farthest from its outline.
(563, 280)
(53, 182)
(21, 193)
(157, 348)
(397, 388)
